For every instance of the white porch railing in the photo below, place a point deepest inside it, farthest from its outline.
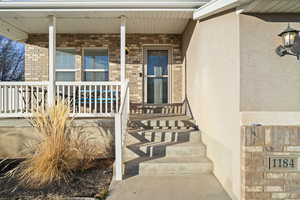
(121, 121)
(21, 99)
(90, 99)
(86, 99)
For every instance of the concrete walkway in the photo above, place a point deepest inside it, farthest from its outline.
(196, 187)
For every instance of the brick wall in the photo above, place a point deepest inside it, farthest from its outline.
(36, 57)
(259, 180)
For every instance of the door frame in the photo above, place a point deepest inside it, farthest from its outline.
(145, 59)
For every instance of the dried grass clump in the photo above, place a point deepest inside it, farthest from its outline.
(62, 149)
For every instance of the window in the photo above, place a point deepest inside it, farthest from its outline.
(65, 64)
(95, 64)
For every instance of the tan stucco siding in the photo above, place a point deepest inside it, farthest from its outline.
(211, 50)
(268, 82)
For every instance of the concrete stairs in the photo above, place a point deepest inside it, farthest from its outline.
(165, 146)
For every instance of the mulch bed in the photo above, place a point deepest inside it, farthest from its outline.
(92, 182)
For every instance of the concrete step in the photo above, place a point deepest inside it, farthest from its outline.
(179, 136)
(164, 150)
(186, 150)
(172, 150)
(175, 166)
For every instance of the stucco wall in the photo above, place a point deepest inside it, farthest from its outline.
(212, 63)
(268, 82)
(18, 135)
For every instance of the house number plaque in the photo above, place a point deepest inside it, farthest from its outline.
(283, 163)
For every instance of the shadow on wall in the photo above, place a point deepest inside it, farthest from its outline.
(15, 142)
(186, 39)
(11, 60)
(276, 17)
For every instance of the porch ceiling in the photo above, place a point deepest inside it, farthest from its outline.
(171, 21)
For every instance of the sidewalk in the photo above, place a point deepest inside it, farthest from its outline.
(196, 187)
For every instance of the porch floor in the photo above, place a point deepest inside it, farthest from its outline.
(196, 187)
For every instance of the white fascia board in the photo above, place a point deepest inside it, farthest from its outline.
(99, 4)
(97, 10)
(217, 6)
(12, 32)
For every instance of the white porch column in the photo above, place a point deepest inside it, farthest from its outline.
(51, 61)
(122, 49)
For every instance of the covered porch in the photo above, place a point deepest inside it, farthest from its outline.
(124, 42)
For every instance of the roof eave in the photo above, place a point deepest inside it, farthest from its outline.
(65, 5)
(217, 6)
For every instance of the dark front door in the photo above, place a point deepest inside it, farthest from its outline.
(157, 76)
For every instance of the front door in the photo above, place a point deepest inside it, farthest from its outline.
(156, 79)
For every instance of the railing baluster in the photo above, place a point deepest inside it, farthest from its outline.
(1, 99)
(57, 93)
(21, 99)
(111, 99)
(17, 99)
(37, 98)
(63, 93)
(74, 97)
(90, 98)
(117, 98)
(101, 98)
(32, 98)
(69, 98)
(85, 98)
(106, 98)
(6, 99)
(96, 97)
(9, 99)
(79, 97)
(26, 98)
(43, 98)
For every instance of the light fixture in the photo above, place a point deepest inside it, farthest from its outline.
(126, 50)
(291, 43)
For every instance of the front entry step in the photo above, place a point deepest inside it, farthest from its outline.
(166, 150)
(175, 166)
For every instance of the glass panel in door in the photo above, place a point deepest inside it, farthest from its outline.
(157, 76)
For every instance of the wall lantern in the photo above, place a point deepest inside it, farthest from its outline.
(291, 43)
(126, 51)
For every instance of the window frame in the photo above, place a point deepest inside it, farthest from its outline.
(67, 70)
(94, 70)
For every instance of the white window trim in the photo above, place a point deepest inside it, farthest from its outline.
(94, 70)
(67, 70)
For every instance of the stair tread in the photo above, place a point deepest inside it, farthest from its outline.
(173, 130)
(178, 160)
(178, 117)
(170, 144)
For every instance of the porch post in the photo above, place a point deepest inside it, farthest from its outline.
(122, 49)
(51, 60)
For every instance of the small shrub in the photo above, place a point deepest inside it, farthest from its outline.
(61, 150)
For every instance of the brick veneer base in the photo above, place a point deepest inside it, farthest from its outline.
(259, 182)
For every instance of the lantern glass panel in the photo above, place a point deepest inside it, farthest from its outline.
(289, 38)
